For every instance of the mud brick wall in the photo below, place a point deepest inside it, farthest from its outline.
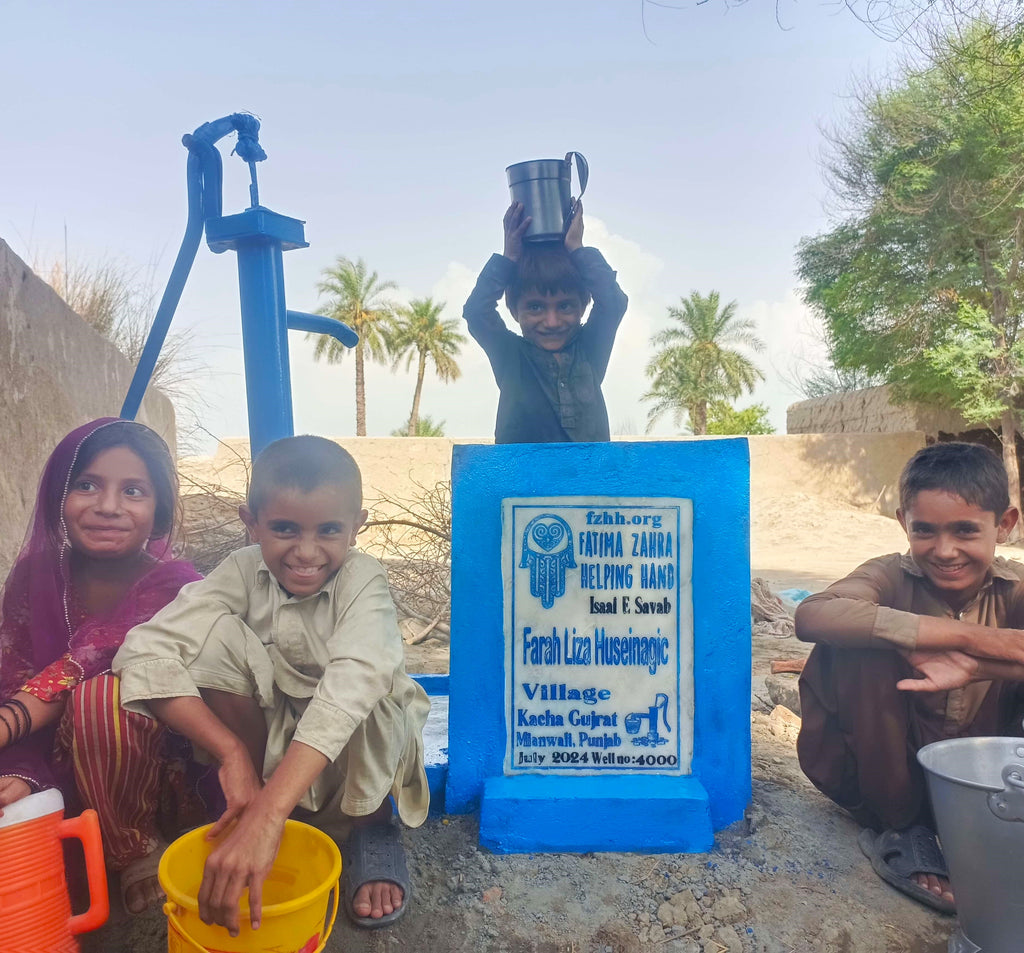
(56, 372)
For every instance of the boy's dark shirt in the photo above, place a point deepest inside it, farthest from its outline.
(548, 396)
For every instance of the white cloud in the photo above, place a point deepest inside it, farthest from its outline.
(454, 286)
(625, 382)
(787, 328)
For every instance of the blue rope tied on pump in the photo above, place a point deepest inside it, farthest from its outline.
(248, 147)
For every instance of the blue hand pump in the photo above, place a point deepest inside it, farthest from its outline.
(259, 236)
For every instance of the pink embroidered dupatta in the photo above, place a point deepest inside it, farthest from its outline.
(39, 621)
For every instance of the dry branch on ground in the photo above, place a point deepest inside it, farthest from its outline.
(413, 536)
(211, 529)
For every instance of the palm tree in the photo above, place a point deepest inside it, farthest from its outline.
(419, 333)
(425, 427)
(697, 364)
(356, 298)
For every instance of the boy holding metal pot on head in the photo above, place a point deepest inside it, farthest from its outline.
(549, 378)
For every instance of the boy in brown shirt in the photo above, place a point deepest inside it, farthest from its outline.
(913, 649)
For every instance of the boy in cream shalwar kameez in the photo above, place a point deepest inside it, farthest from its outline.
(286, 665)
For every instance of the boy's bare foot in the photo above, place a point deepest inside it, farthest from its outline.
(377, 899)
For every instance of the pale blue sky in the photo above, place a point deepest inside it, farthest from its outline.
(388, 126)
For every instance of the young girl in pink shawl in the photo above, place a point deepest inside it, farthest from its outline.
(96, 562)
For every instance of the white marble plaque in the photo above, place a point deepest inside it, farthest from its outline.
(598, 635)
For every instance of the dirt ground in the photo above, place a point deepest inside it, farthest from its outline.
(789, 878)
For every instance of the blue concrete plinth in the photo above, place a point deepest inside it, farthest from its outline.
(435, 739)
(435, 751)
(648, 814)
(631, 811)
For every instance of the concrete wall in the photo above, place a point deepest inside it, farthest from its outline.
(391, 466)
(870, 411)
(56, 372)
(853, 469)
(399, 468)
(850, 468)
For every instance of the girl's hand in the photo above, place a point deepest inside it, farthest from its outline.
(574, 234)
(11, 790)
(516, 223)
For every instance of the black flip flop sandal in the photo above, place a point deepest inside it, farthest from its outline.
(897, 856)
(374, 853)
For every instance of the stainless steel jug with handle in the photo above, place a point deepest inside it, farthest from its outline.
(977, 793)
(544, 186)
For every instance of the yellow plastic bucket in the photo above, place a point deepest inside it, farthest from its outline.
(296, 896)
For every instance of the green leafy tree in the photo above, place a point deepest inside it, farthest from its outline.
(921, 283)
(420, 334)
(891, 20)
(425, 427)
(356, 297)
(726, 421)
(819, 376)
(697, 363)
(825, 379)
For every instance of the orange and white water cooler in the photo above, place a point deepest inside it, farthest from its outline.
(35, 911)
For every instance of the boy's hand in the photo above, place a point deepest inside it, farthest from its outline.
(243, 859)
(574, 234)
(248, 851)
(516, 223)
(240, 784)
(942, 671)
